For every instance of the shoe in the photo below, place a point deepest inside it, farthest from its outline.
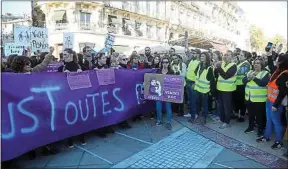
(179, 114)
(234, 117)
(191, 120)
(47, 150)
(277, 145)
(83, 141)
(32, 155)
(240, 119)
(158, 123)
(286, 154)
(262, 139)
(187, 115)
(101, 134)
(110, 130)
(70, 143)
(169, 126)
(249, 130)
(203, 121)
(260, 133)
(224, 125)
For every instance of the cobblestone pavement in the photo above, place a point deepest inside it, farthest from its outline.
(183, 149)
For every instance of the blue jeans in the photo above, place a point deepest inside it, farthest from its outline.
(159, 111)
(191, 94)
(204, 99)
(274, 121)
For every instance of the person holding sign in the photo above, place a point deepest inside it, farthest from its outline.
(204, 85)
(166, 70)
(22, 64)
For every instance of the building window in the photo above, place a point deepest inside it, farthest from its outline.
(138, 29)
(111, 24)
(85, 17)
(148, 7)
(148, 31)
(60, 16)
(158, 33)
(125, 26)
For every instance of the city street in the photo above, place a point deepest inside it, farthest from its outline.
(149, 146)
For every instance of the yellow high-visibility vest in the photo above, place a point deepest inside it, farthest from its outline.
(228, 85)
(256, 93)
(190, 74)
(241, 76)
(202, 85)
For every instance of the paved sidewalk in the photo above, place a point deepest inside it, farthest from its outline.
(183, 149)
(184, 146)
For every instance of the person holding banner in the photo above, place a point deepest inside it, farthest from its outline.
(71, 65)
(166, 70)
(204, 84)
(88, 58)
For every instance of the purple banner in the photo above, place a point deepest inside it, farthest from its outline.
(169, 88)
(43, 109)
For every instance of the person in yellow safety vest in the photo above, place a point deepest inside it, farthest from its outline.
(239, 94)
(191, 77)
(226, 84)
(256, 96)
(204, 85)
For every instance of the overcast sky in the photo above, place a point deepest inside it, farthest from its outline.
(271, 16)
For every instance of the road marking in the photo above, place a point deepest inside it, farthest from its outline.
(134, 138)
(223, 165)
(93, 154)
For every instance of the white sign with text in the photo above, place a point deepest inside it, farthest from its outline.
(68, 40)
(37, 37)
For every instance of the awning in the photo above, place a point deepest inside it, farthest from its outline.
(220, 47)
(58, 15)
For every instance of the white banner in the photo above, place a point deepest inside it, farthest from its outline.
(68, 40)
(37, 37)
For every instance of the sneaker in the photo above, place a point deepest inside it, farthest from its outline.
(47, 150)
(187, 115)
(83, 141)
(224, 125)
(158, 123)
(249, 130)
(262, 139)
(169, 126)
(241, 119)
(191, 120)
(70, 143)
(260, 133)
(277, 145)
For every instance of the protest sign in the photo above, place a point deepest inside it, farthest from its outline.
(68, 40)
(109, 41)
(168, 88)
(78, 80)
(53, 67)
(106, 76)
(36, 37)
(14, 48)
(44, 110)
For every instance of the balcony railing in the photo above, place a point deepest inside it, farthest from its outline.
(61, 26)
(86, 26)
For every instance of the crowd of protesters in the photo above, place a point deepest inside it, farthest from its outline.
(237, 82)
